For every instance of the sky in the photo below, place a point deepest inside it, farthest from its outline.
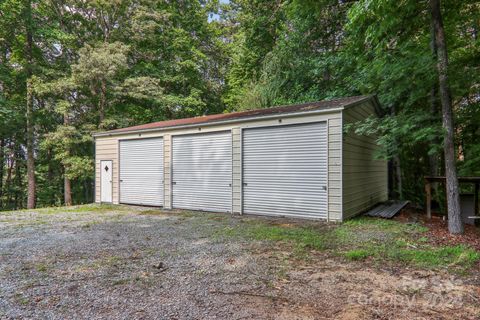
(214, 16)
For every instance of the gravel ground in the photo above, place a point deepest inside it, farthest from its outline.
(127, 263)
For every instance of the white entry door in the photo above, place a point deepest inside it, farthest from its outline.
(106, 167)
(202, 171)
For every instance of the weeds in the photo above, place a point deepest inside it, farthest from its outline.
(382, 241)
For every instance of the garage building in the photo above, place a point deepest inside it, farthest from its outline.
(294, 161)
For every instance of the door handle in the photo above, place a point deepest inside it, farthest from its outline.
(174, 182)
(324, 188)
(245, 184)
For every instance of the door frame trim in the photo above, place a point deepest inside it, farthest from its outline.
(111, 183)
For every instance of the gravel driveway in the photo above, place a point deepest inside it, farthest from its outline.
(124, 262)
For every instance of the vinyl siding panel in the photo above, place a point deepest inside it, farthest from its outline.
(364, 177)
(335, 168)
(167, 152)
(237, 170)
(106, 149)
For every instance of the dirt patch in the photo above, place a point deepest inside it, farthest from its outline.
(438, 232)
(438, 229)
(326, 288)
(140, 265)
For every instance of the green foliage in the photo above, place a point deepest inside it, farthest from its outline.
(62, 142)
(100, 65)
(327, 49)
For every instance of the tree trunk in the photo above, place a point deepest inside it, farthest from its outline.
(455, 225)
(2, 166)
(8, 179)
(397, 169)
(29, 113)
(50, 176)
(103, 101)
(67, 190)
(398, 176)
(433, 159)
(18, 193)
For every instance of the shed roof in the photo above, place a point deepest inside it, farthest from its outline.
(325, 105)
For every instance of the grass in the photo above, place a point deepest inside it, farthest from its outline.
(357, 254)
(161, 212)
(153, 212)
(42, 267)
(95, 207)
(361, 239)
(377, 240)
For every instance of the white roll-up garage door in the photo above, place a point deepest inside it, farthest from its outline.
(285, 170)
(141, 171)
(202, 171)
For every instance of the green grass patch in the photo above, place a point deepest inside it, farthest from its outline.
(153, 212)
(120, 282)
(21, 299)
(378, 240)
(446, 256)
(357, 254)
(94, 207)
(302, 237)
(97, 208)
(42, 267)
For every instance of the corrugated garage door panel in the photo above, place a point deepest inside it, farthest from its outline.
(285, 170)
(202, 171)
(141, 171)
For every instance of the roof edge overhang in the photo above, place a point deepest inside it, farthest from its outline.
(372, 98)
(239, 120)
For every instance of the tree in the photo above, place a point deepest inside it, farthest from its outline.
(455, 224)
(325, 49)
(255, 28)
(70, 68)
(98, 69)
(29, 114)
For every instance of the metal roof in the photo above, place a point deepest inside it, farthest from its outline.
(327, 105)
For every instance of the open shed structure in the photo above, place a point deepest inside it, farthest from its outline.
(295, 161)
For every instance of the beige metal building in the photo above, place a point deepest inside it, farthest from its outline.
(295, 161)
